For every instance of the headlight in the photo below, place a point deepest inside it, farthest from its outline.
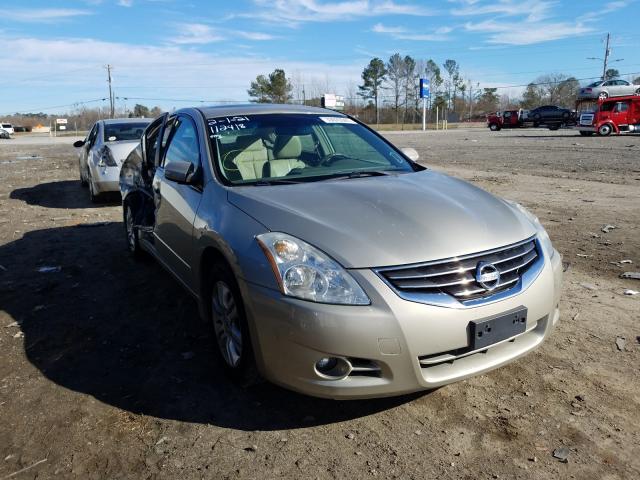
(303, 271)
(542, 234)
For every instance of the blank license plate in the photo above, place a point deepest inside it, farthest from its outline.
(494, 329)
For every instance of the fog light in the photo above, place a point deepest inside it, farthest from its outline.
(326, 364)
(333, 367)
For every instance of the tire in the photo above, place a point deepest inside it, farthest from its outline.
(131, 233)
(603, 96)
(537, 117)
(494, 127)
(554, 127)
(585, 133)
(604, 130)
(637, 91)
(229, 322)
(565, 115)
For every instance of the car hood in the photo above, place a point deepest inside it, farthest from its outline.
(384, 221)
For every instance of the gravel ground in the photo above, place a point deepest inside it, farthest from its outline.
(106, 371)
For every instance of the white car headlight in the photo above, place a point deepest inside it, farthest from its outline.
(303, 271)
(542, 234)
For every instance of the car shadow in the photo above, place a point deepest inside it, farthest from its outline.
(62, 194)
(100, 323)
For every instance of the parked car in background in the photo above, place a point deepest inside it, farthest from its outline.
(104, 150)
(324, 255)
(613, 115)
(7, 127)
(552, 116)
(4, 134)
(609, 88)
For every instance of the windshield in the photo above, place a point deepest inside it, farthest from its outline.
(116, 132)
(260, 149)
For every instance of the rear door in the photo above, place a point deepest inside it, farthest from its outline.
(176, 204)
(89, 142)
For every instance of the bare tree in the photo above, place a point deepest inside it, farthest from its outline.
(395, 78)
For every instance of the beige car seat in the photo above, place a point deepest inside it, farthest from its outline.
(286, 155)
(250, 158)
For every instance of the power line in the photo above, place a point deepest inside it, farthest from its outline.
(42, 109)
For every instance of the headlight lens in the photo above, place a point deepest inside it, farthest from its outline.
(542, 234)
(303, 271)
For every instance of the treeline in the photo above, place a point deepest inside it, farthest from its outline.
(389, 92)
(81, 118)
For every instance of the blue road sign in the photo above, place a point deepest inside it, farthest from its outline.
(425, 91)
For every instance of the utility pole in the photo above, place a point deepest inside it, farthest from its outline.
(605, 60)
(111, 105)
(607, 51)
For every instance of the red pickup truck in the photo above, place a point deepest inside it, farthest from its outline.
(612, 115)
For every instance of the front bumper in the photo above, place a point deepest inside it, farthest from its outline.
(414, 345)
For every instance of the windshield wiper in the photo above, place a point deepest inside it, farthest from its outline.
(266, 183)
(363, 173)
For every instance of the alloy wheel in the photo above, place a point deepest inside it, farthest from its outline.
(226, 323)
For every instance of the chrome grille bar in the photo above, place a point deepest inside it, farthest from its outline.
(455, 278)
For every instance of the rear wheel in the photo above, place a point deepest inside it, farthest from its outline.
(605, 130)
(229, 323)
(494, 127)
(603, 96)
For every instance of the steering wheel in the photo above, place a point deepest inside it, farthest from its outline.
(329, 158)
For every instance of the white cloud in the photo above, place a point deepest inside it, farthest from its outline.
(195, 33)
(534, 10)
(527, 33)
(74, 72)
(292, 13)
(125, 3)
(199, 33)
(401, 33)
(42, 15)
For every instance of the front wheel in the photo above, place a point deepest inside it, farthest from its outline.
(605, 130)
(131, 233)
(637, 91)
(94, 196)
(230, 324)
(83, 179)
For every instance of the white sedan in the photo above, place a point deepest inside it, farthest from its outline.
(103, 152)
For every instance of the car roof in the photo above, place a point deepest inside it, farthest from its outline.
(262, 108)
(110, 121)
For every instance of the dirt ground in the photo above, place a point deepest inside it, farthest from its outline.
(107, 372)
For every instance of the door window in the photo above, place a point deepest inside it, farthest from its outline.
(621, 107)
(183, 143)
(92, 135)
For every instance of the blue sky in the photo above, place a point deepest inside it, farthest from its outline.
(173, 53)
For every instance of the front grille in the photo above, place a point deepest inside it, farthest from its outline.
(456, 277)
(586, 119)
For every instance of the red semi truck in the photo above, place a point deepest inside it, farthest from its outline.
(612, 115)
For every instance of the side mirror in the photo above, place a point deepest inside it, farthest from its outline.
(410, 153)
(78, 143)
(179, 171)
